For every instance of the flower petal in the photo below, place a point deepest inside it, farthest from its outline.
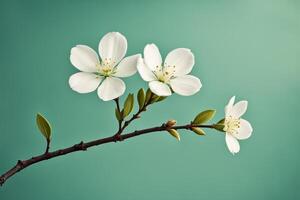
(186, 85)
(84, 82)
(113, 46)
(127, 66)
(144, 71)
(245, 130)
(228, 107)
(152, 57)
(84, 58)
(159, 88)
(239, 109)
(111, 88)
(232, 143)
(183, 60)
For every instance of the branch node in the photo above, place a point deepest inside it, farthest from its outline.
(118, 138)
(81, 146)
(20, 163)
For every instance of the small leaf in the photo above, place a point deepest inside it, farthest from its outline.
(174, 133)
(222, 121)
(44, 126)
(141, 98)
(128, 105)
(219, 127)
(118, 115)
(198, 131)
(148, 96)
(204, 117)
(161, 98)
(154, 98)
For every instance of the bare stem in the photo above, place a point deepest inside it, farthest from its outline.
(119, 110)
(48, 146)
(83, 146)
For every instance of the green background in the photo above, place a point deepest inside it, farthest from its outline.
(245, 48)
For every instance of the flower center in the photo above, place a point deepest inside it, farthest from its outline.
(231, 125)
(106, 67)
(164, 73)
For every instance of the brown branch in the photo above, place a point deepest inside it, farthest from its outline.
(83, 146)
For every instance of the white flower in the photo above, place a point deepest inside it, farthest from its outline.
(112, 49)
(235, 127)
(172, 73)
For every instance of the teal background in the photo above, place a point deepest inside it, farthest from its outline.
(245, 48)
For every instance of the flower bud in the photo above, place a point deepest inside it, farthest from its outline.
(171, 123)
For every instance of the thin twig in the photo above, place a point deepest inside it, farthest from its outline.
(136, 115)
(82, 146)
(119, 110)
(48, 146)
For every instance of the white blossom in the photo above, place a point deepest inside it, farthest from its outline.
(172, 75)
(105, 71)
(235, 127)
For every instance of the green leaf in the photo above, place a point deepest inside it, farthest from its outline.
(141, 98)
(161, 98)
(219, 127)
(174, 133)
(44, 126)
(128, 105)
(118, 115)
(154, 98)
(204, 117)
(198, 131)
(148, 96)
(222, 121)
